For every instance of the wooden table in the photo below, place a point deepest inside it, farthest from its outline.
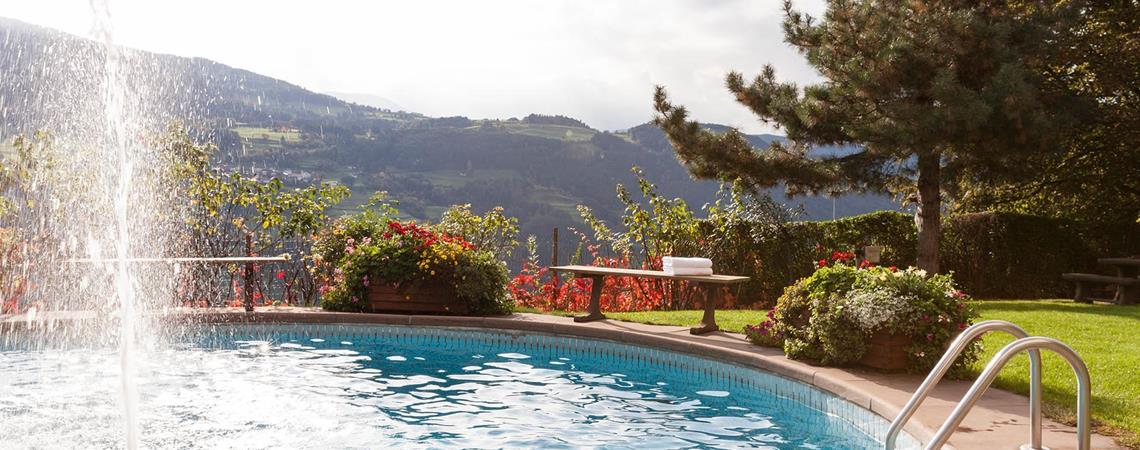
(710, 284)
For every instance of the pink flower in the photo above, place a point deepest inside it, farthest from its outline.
(355, 299)
(365, 281)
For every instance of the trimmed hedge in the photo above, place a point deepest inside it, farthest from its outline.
(992, 255)
(793, 251)
(1005, 255)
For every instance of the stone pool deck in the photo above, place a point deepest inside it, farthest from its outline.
(998, 421)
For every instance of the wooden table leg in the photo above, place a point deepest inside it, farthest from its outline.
(708, 322)
(595, 309)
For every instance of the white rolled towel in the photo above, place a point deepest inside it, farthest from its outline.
(688, 271)
(688, 263)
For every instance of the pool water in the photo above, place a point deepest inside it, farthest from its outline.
(341, 386)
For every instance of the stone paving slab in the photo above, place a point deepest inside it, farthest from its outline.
(998, 421)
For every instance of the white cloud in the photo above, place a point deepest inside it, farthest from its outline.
(597, 61)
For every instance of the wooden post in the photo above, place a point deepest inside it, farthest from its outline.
(554, 262)
(248, 291)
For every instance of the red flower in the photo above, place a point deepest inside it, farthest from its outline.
(280, 274)
(822, 263)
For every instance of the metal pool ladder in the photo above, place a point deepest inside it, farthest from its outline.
(1023, 343)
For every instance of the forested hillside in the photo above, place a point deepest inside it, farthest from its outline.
(538, 167)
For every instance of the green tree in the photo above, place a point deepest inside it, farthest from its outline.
(225, 208)
(926, 89)
(1096, 178)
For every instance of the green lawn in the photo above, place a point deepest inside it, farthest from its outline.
(732, 320)
(550, 131)
(257, 133)
(1106, 336)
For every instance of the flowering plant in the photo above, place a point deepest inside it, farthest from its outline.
(535, 286)
(359, 251)
(829, 316)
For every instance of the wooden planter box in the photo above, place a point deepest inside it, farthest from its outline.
(417, 298)
(886, 351)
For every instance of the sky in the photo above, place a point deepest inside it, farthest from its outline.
(597, 61)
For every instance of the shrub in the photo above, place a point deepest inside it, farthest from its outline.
(788, 251)
(1007, 255)
(372, 247)
(493, 231)
(535, 287)
(828, 317)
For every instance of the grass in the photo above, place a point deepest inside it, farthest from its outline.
(550, 131)
(731, 320)
(452, 178)
(255, 133)
(1106, 337)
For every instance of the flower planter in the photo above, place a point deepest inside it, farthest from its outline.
(886, 351)
(430, 298)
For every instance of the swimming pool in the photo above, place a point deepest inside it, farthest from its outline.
(372, 386)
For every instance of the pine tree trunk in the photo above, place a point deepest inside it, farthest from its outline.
(928, 218)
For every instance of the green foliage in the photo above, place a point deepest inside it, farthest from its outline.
(373, 247)
(33, 160)
(493, 231)
(775, 252)
(224, 209)
(827, 318)
(893, 231)
(654, 226)
(996, 255)
(930, 91)
(484, 280)
(329, 245)
(1007, 255)
(1095, 175)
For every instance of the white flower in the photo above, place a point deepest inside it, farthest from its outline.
(875, 307)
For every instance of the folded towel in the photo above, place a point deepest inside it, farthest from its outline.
(697, 263)
(686, 271)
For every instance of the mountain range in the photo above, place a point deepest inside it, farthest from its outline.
(538, 167)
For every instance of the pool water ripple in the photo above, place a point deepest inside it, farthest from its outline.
(350, 387)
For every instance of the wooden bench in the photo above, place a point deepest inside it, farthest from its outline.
(710, 284)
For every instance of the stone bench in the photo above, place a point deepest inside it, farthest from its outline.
(1127, 289)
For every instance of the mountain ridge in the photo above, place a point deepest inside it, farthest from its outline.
(538, 167)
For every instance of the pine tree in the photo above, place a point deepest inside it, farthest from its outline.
(927, 90)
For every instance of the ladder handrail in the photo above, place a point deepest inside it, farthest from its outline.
(955, 349)
(1084, 387)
